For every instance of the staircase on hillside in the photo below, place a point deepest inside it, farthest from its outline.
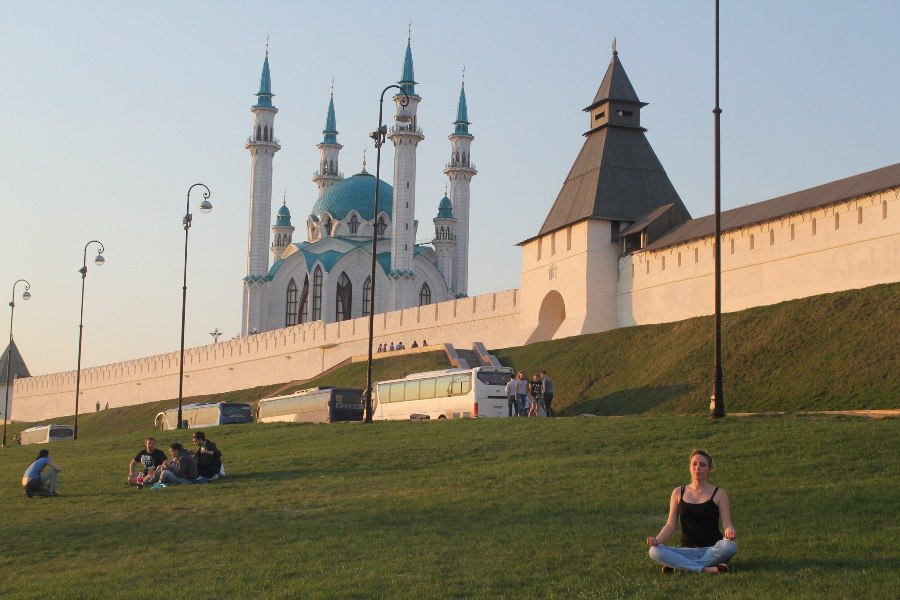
(478, 356)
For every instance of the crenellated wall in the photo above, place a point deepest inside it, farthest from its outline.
(277, 356)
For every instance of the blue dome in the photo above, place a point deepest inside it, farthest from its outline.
(283, 218)
(355, 193)
(445, 208)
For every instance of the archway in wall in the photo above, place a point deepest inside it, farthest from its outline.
(550, 317)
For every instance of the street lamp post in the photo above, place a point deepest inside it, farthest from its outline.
(99, 261)
(205, 207)
(717, 401)
(378, 136)
(26, 295)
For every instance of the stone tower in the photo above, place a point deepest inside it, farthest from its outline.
(328, 172)
(460, 170)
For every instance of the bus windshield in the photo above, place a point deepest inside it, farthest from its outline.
(236, 410)
(494, 377)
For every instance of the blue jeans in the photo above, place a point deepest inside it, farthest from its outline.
(513, 405)
(694, 559)
(170, 477)
(523, 403)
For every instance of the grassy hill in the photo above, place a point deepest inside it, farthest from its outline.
(492, 508)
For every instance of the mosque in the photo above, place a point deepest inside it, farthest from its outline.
(617, 249)
(328, 276)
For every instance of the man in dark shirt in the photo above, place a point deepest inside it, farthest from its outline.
(182, 466)
(208, 456)
(148, 458)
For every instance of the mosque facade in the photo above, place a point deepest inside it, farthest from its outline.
(327, 276)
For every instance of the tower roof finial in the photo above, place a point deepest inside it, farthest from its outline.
(615, 52)
(409, 33)
(284, 199)
(267, 45)
(364, 161)
(464, 76)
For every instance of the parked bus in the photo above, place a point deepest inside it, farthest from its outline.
(448, 394)
(316, 405)
(207, 414)
(46, 433)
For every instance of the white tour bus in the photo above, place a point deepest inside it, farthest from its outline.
(315, 405)
(448, 394)
(46, 433)
(205, 414)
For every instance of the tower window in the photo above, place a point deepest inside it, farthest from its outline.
(290, 313)
(367, 297)
(353, 224)
(625, 113)
(837, 221)
(303, 313)
(425, 295)
(343, 298)
(317, 295)
(382, 225)
(258, 132)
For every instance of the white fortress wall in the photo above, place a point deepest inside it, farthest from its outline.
(847, 245)
(278, 356)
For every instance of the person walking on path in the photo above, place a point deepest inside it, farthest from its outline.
(37, 481)
(547, 387)
(700, 507)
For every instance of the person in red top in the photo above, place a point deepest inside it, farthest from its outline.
(699, 507)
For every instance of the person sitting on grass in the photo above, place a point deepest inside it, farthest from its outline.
(208, 457)
(149, 458)
(182, 468)
(38, 482)
(700, 507)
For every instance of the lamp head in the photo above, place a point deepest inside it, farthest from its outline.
(26, 295)
(99, 261)
(205, 206)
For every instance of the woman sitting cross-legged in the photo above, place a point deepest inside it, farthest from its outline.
(699, 506)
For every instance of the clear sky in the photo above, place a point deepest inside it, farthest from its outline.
(113, 109)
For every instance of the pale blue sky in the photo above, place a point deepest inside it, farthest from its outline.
(114, 109)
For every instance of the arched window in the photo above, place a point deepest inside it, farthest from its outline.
(266, 133)
(303, 313)
(258, 132)
(367, 297)
(343, 299)
(290, 313)
(382, 225)
(425, 295)
(353, 224)
(317, 295)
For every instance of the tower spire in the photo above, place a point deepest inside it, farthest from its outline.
(408, 79)
(462, 112)
(329, 171)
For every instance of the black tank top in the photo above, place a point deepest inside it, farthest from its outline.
(699, 522)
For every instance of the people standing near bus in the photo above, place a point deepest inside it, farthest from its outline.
(522, 393)
(208, 457)
(535, 395)
(149, 458)
(511, 396)
(547, 389)
(182, 467)
(36, 480)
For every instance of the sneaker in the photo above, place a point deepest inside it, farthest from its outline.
(668, 570)
(722, 568)
(214, 477)
(28, 494)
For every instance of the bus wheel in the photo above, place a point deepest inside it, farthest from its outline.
(444, 417)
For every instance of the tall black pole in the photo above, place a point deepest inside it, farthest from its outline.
(378, 136)
(717, 403)
(12, 309)
(83, 271)
(205, 207)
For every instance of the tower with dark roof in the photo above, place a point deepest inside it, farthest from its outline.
(282, 231)
(262, 145)
(328, 172)
(460, 170)
(445, 239)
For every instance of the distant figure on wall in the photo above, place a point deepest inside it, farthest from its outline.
(98, 406)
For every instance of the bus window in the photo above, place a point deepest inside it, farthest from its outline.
(427, 388)
(396, 394)
(461, 385)
(236, 410)
(444, 386)
(493, 377)
(411, 390)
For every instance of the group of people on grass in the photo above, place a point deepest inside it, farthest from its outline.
(154, 468)
(398, 346)
(530, 398)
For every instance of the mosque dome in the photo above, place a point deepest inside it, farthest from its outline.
(445, 208)
(355, 193)
(283, 218)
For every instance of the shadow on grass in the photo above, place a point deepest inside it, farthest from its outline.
(633, 401)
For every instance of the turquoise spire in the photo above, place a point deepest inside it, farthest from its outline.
(445, 208)
(265, 85)
(330, 130)
(283, 217)
(407, 80)
(462, 113)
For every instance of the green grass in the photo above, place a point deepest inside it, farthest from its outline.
(506, 508)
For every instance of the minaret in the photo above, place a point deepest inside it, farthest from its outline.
(262, 146)
(405, 135)
(460, 170)
(282, 231)
(444, 241)
(328, 173)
